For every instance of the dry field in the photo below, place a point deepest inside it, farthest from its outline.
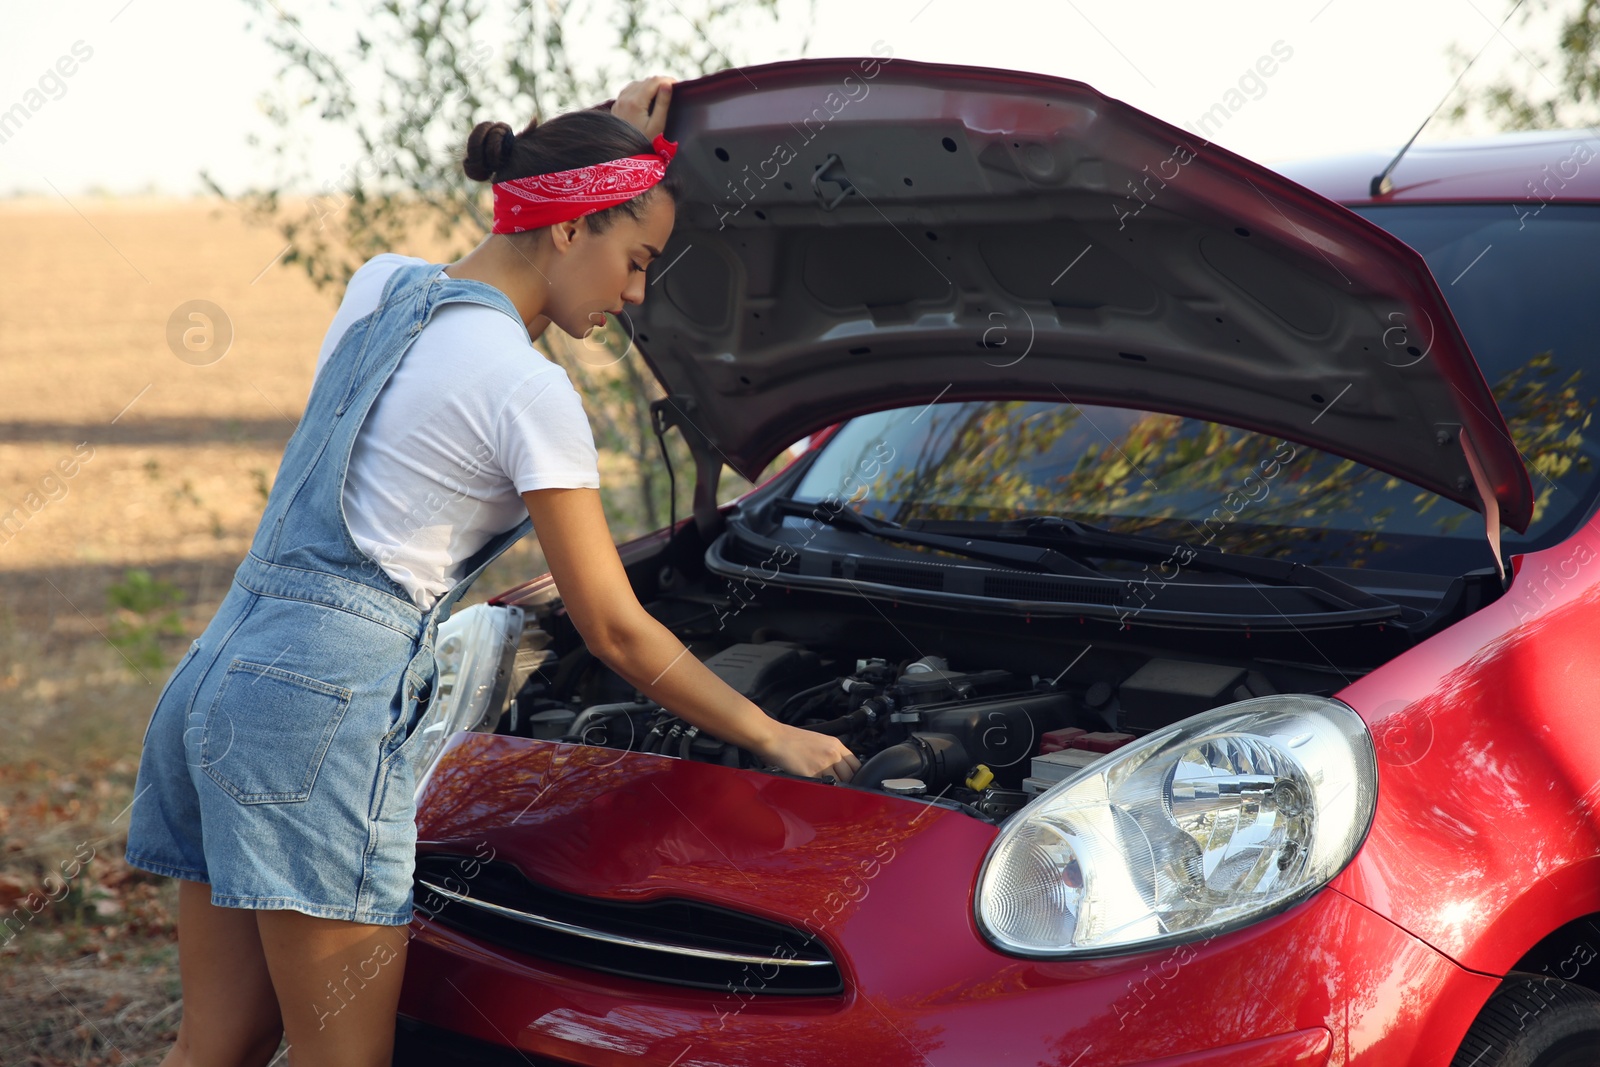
(141, 461)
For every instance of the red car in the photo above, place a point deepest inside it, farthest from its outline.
(1217, 630)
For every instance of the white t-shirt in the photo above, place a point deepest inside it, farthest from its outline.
(472, 417)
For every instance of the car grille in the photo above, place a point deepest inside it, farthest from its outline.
(677, 942)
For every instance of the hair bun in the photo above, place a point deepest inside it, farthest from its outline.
(508, 141)
(489, 150)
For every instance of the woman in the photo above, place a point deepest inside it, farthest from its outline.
(274, 780)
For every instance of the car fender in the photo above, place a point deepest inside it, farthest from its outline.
(1486, 836)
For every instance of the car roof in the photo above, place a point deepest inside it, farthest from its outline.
(1534, 165)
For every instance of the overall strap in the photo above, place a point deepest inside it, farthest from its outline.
(372, 343)
(467, 290)
(404, 287)
(303, 546)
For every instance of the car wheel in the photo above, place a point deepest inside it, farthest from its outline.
(1533, 1021)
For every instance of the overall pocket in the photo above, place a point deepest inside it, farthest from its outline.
(267, 731)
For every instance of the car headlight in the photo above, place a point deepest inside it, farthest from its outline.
(1197, 828)
(474, 652)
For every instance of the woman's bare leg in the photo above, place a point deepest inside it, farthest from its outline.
(338, 986)
(230, 1013)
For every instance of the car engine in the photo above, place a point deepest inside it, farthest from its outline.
(983, 738)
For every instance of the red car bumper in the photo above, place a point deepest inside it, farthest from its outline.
(1275, 996)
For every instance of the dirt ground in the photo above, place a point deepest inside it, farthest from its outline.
(140, 477)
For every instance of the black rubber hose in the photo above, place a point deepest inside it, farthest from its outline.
(905, 760)
(938, 759)
(652, 738)
(842, 725)
(783, 712)
(806, 708)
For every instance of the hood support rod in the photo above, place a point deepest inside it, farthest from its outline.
(1491, 503)
(677, 410)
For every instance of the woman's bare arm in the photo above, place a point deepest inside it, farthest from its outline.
(588, 573)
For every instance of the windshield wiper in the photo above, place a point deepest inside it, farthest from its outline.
(1053, 530)
(1042, 558)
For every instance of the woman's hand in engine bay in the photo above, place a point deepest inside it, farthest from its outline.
(807, 752)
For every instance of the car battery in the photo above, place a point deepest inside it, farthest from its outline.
(1056, 740)
(1052, 767)
(1102, 741)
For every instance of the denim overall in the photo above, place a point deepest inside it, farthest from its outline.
(275, 766)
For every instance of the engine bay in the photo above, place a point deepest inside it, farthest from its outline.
(980, 714)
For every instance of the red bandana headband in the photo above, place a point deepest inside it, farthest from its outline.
(544, 199)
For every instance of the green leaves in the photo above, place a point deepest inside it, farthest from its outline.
(1542, 88)
(143, 611)
(404, 91)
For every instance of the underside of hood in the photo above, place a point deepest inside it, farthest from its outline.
(858, 234)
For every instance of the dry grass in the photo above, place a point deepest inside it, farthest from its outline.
(174, 460)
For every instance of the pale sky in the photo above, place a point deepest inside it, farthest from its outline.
(170, 87)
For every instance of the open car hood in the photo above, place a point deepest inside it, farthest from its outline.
(858, 234)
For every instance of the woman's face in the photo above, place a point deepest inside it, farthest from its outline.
(601, 272)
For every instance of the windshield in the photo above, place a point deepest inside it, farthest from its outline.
(1520, 287)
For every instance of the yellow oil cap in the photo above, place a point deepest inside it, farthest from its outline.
(980, 778)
